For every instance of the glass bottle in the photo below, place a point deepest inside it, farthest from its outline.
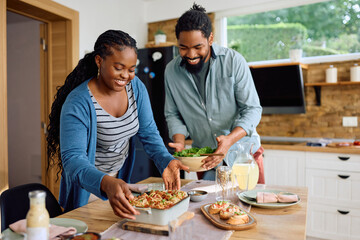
(37, 218)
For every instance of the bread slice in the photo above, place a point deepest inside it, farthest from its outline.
(238, 218)
(228, 212)
(216, 207)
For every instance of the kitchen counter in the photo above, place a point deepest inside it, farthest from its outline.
(301, 146)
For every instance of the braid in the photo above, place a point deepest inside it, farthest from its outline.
(85, 69)
(194, 19)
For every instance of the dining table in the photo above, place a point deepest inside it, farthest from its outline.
(278, 223)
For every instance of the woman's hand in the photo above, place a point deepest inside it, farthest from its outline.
(119, 194)
(171, 175)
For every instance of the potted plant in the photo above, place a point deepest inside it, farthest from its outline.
(160, 37)
(295, 51)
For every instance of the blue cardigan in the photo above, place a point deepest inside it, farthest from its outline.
(78, 130)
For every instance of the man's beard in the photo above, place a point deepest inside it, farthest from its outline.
(193, 69)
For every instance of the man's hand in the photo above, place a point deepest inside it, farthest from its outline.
(177, 146)
(119, 194)
(224, 144)
(171, 175)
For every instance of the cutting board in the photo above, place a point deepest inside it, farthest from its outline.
(155, 229)
(337, 145)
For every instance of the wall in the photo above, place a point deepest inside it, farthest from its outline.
(23, 62)
(98, 16)
(168, 27)
(324, 121)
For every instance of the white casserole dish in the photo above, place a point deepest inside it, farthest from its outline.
(162, 216)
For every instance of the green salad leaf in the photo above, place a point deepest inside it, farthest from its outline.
(194, 152)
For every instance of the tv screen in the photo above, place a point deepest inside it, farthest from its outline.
(280, 89)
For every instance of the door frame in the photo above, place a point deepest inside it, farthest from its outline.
(62, 28)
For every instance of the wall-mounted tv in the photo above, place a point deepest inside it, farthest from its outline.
(280, 88)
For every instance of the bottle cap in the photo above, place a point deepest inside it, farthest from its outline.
(37, 194)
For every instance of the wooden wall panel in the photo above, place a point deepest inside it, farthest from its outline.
(4, 181)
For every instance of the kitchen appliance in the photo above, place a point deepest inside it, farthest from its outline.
(150, 69)
(280, 88)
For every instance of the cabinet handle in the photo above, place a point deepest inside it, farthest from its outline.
(343, 176)
(344, 158)
(343, 212)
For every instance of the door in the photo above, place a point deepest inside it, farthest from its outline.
(62, 55)
(25, 89)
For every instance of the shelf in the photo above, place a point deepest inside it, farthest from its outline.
(304, 66)
(329, 84)
(152, 44)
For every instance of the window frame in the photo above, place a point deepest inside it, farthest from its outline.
(221, 33)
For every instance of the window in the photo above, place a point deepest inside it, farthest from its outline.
(326, 28)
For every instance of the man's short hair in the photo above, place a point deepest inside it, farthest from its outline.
(194, 19)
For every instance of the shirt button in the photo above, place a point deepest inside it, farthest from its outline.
(210, 119)
(215, 134)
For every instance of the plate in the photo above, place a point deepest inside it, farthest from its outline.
(252, 201)
(218, 222)
(64, 222)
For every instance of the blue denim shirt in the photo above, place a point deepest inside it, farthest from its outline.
(231, 100)
(78, 131)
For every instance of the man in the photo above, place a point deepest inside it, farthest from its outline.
(210, 94)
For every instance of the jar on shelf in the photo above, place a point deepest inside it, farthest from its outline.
(331, 74)
(355, 73)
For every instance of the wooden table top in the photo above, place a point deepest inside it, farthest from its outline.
(271, 223)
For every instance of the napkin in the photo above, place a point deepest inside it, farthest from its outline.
(269, 197)
(55, 232)
(139, 188)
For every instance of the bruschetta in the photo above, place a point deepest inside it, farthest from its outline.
(216, 207)
(228, 212)
(238, 218)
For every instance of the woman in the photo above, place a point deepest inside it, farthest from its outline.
(93, 120)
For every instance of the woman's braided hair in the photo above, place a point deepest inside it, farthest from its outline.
(86, 68)
(194, 19)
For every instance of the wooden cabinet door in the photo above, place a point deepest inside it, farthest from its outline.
(284, 167)
(329, 222)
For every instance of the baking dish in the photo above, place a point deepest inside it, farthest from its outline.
(162, 216)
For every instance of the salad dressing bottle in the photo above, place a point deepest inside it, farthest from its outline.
(37, 218)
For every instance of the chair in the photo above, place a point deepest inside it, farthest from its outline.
(15, 203)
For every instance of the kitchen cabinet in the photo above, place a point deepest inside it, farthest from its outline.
(285, 168)
(333, 180)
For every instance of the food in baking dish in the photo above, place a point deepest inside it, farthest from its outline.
(159, 199)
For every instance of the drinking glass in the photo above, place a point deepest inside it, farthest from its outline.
(223, 184)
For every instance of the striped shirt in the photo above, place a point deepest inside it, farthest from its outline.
(113, 134)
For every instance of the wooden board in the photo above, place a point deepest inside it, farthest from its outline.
(152, 228)
(337, 145)
(215, 219)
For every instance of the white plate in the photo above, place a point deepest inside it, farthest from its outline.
(64, 222)
(252, 201)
